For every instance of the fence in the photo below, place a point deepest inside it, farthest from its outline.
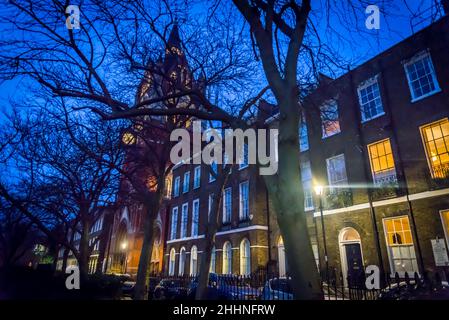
(269, 286)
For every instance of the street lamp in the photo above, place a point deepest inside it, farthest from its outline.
(319, 192)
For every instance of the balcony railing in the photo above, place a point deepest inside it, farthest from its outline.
(440, 178)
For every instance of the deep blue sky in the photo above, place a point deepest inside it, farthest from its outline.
(395, 26)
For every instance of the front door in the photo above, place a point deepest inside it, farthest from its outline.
(354, 263)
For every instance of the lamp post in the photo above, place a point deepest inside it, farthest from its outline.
(124, 246)
(319, 193)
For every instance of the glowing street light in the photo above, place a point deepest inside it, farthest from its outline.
(124, 245)
(319, 190)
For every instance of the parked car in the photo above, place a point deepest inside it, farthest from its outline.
(169, 289)
(128, 288)
(222, 287)
(411, 291)
(277, 289)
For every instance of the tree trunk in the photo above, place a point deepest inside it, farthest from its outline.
(84, 252)
(145, 253)
(209, 241)
(288, 200)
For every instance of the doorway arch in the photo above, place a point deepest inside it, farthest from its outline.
(351, 253)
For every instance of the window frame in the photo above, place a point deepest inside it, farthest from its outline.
(196, 177)
(225, 217)
(417, 57)
(227, 257)
(328, 172)
(245, 261)
(446, 232)
(186, 182)
(182, 234)
(176, 187)
(371, 159)
(364, 85)
(174, 223)
(241, 201)
(195, 226)
(329, 103)
(428, 158)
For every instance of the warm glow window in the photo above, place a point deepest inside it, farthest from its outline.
(436, 142)
(400, 245)
(382, 162)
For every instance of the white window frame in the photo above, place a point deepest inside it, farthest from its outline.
(245, 257)
(209, 203)
(182, 261)
(197, 177)
(245, 162)
(303, 134)
(193, 261)
(227, 258)
(241, 201)
(417, 57)
(213, 260)
(186, 182)
(364, 85)
(195, 216)
(373, 174)
(308, 190)
(174, 222)
(390, 255)
(211, 176)
(172, 262)
(176, 187)
(184, 220)
(428, 156)
(337, 183)
(327, 104)
(226, 218)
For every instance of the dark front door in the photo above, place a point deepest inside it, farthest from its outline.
(354, 263)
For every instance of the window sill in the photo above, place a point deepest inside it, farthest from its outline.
(438, 90)
(372, 118)
(331, 135)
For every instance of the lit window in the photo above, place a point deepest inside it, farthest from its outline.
(400, 245)
(174, 222)
(303, 138)
(195, 216)
(176, 187)
(445, 221)
(245, 257)
(213, 260)
(421, 76)
(182, 261)
(168, 186)
(382, 162)
(336, 170)
(306, 178)
(330, 123)
(436, 142)
(370, 100)
(184, 219)
(227, 258)
(227, 205)
(196, 177)
(244, 200)
(186, 182)
(171, 263)
(193, 261)
(128, 138)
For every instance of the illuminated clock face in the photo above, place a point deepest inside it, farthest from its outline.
(128, 138)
